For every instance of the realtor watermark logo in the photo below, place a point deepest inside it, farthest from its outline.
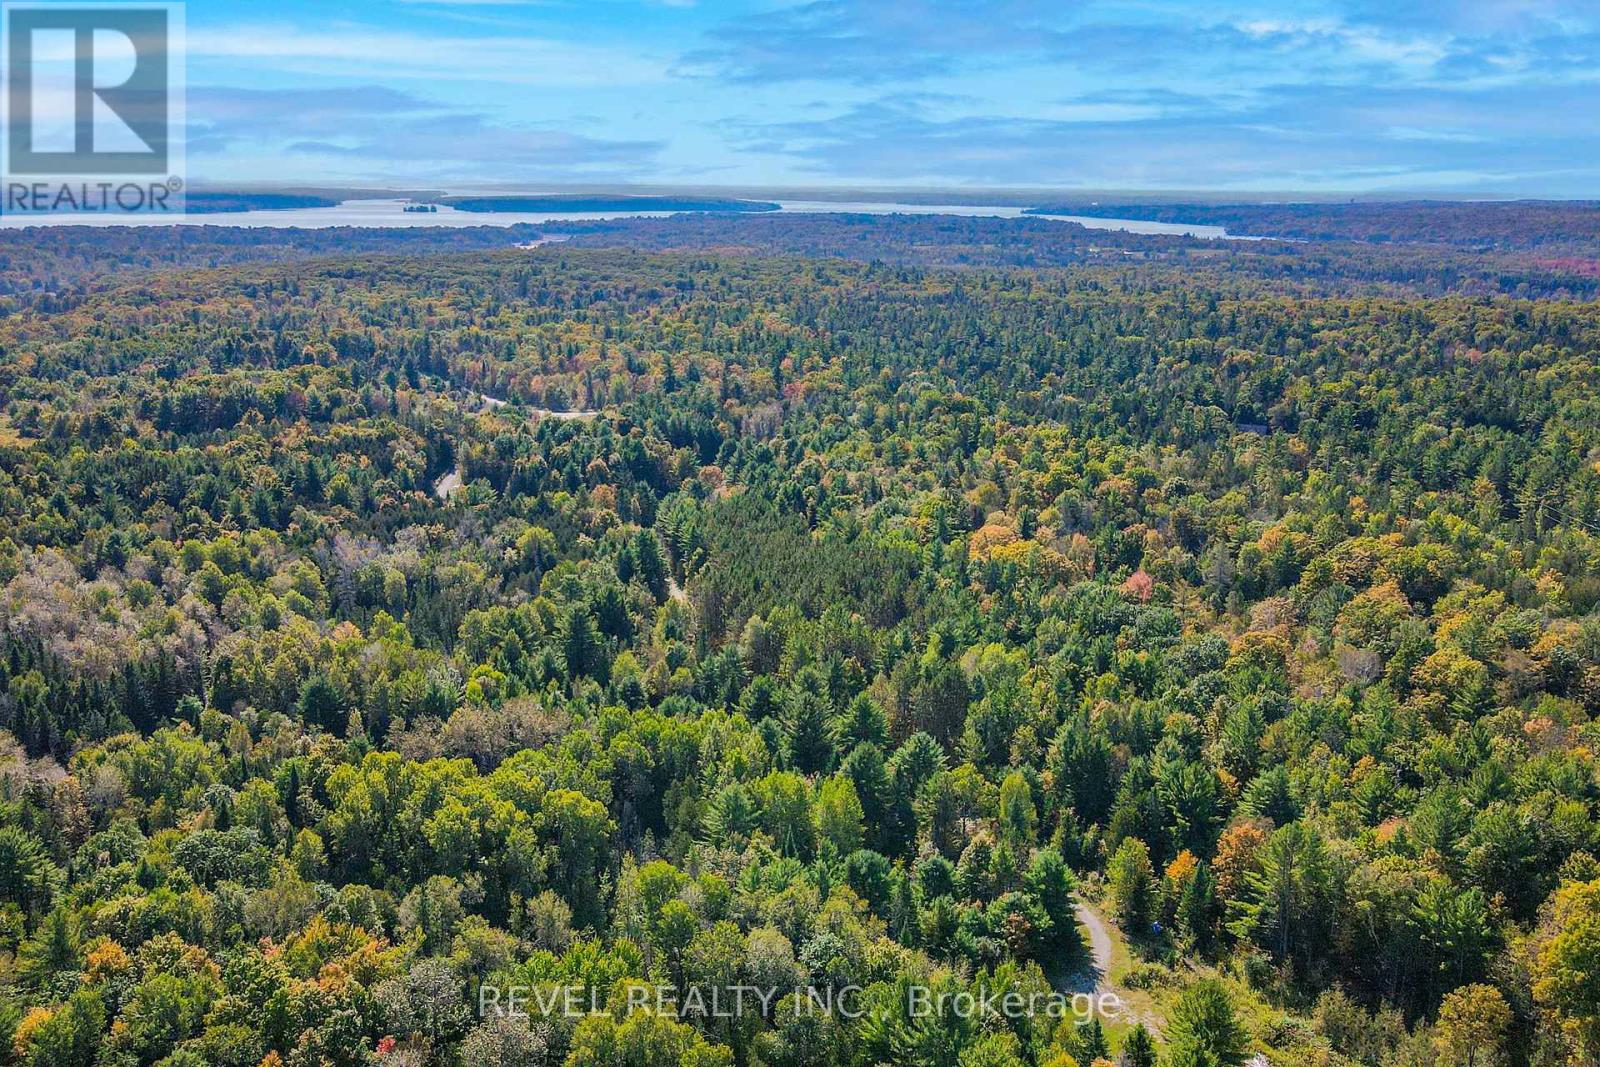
(94, 108)
(737, 1001)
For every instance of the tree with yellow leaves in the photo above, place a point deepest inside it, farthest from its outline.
(1471, 1031)
(1566, 973)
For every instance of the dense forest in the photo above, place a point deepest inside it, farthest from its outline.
(209, 203)
(974, 607)
(576, 203)
(1468, 223)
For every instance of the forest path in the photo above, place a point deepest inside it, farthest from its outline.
(566, 416)
(452, 482)
(1106, 946)
(1101, 947)
(447, 485)
(495, 403)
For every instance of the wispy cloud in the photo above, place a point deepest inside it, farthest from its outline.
(339, 51)
(1289, 138)
(866, 42)
(394, 131)
(1465, 94)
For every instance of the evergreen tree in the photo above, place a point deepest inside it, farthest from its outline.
(1197, 907)
(808, 740)
(1204, 1029)
(1131, 882)
(1138, 1050)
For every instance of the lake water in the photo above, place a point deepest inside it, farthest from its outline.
(392, 213)
(981, 211)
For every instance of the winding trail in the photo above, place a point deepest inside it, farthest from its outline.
(566, 416)
(1101, 947)
(1102, 942)
(495, 403)
(452, 482)
(447, 485)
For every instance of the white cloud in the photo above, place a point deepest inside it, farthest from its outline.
(363, 52)
(375, 131)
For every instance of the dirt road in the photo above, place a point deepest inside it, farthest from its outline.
(1102, 939)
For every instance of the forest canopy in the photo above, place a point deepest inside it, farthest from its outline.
(389, 619)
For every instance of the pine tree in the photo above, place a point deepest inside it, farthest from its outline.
(808, 743)
(1050, 882)
(53, 951)
(903, 909)
(1286, 907)
(863, 723)
(1474, 701)
(1092, 1042)
(1196, 906)
(869, 773)
(1131, 881)
(1138, 1050)
(1204, 1029)
(1019, 821)
(27, 875)
(581, 646)
(651, 564)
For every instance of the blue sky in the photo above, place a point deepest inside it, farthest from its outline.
(1496, 97)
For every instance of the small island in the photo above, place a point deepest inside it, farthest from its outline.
(557, 204)
(423, 208)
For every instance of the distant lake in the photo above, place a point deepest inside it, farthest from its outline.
(392, 213)
(982, 211)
